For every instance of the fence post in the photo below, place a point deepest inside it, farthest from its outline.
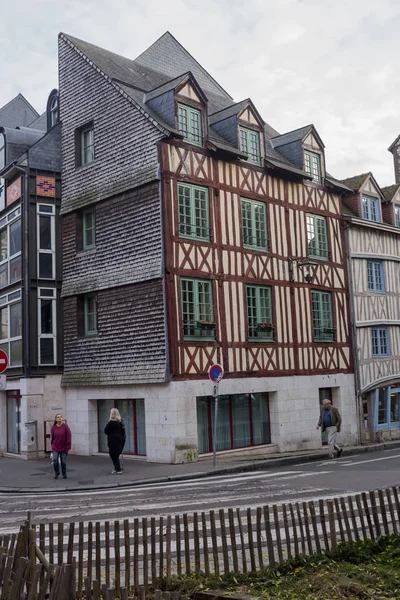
(332, 527)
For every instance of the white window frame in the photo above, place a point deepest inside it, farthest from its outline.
(44, 294)
(396, 214)
(51, 212)
(6, 301)
(5, 223)
(367, 203)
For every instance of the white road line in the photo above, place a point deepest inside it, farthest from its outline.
(362, 462)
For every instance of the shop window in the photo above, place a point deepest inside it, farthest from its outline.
(133, 415)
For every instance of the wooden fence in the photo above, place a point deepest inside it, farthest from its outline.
(144, 554)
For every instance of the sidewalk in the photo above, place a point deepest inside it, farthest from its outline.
(94, 472)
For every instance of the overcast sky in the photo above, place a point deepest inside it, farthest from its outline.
(334, 63)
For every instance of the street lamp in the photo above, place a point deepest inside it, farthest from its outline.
(306, 266)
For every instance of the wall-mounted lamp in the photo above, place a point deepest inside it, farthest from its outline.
(307, 267)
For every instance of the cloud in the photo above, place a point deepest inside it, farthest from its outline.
(333, 64)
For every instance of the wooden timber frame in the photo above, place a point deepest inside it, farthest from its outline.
(230, 266)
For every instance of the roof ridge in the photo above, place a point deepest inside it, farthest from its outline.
(22, 97)
(293, 130)
(168, 34)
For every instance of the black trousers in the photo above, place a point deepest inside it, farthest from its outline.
(114, 455)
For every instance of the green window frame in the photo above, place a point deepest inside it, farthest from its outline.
(317, 237)
(259, 313)
(89, 229)
(90, 314)
(312, 165)
(87, 145)
(189, 124)
(249, 143)
(197, 309)
(193, 212)
(254, 224)
(323, 316)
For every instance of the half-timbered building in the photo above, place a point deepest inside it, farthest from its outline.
(372, 217)
(30, 275)
(195, 234)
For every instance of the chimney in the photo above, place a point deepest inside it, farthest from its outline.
(395, 150)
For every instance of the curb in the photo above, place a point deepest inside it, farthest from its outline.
(255, 465)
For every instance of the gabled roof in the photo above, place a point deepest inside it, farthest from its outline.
(356, 181)
(394, 144)
(172, 85)
(166, 55)
(390, 191)
(233, 110)
(297, 135)
(17, 112)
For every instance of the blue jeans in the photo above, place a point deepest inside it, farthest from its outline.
(63, 458)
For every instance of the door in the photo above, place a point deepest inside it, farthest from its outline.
(14, 422)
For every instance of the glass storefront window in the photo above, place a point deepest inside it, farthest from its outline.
(382, 416)
(243, 421)
(133, 415)
(395, 406)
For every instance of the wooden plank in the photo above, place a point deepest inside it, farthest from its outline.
(136, 581)
(345, 517)
(153, 553)
(361, 516)
(51, 543)
(397, 502)
(145, 556)
(302, 533)
(294, 529)
(60, 544)
(368, 515)
(95, 595)
(89, 573)
(80, 559)
(332, 526)
(196, 542)
(43, 590)
(317, 543)
(37, 578)
(307, 528)
(168, 554)
(250, 540)
(98, 551)
(117, 555)
(205, 544)
(161, 550)
(225, 553)
(178, 545)
(232, 534)
(375, 513)
(287, 532)
(42, 546)
(391, 510)
(214, 543)
(187, 547)
(383, 512)
(70, 549)
(242, 543)
(268, 534)
(259, 537)
(322, 519)
(127, 554)
(339, 520)
(353, 518)
(107, 550)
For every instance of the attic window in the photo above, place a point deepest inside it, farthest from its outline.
(54, 111)
(370, 208)
(250, 144)
(397, 215)
(312, 165)
(189, 123)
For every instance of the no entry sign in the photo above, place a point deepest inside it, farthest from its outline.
(216, 373)
(3, 361)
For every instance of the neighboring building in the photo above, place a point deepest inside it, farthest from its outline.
(193, 234)
(373, 236)
(30, 274)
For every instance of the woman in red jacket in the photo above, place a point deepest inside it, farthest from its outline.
(60, 445)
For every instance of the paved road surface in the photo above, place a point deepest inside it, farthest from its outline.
(325, 479)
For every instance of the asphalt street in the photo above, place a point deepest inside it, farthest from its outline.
(294, 483)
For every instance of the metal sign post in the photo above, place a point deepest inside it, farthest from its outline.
(215, 374)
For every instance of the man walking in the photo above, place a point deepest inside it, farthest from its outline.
(330, 421)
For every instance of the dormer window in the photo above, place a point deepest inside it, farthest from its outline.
(370, 208)
(54, 111)
(189, 123)
(397, 215)
(312, 165)
(250, 144)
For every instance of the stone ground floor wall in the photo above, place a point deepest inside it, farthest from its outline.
(171, 415)
(40, 398)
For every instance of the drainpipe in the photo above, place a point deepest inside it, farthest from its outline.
(354, 336)
(25, 256)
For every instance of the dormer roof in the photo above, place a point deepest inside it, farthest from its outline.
(173, 84)
(234, 110)
(390, 191)
(297, 135)
(358, 181)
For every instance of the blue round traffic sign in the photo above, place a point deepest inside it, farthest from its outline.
(216, 373)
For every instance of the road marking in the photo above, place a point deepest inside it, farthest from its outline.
(362, 462)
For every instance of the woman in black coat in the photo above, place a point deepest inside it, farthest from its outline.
(116, 436)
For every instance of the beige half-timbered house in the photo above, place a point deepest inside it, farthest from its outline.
(372, 217)
(213, 240)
